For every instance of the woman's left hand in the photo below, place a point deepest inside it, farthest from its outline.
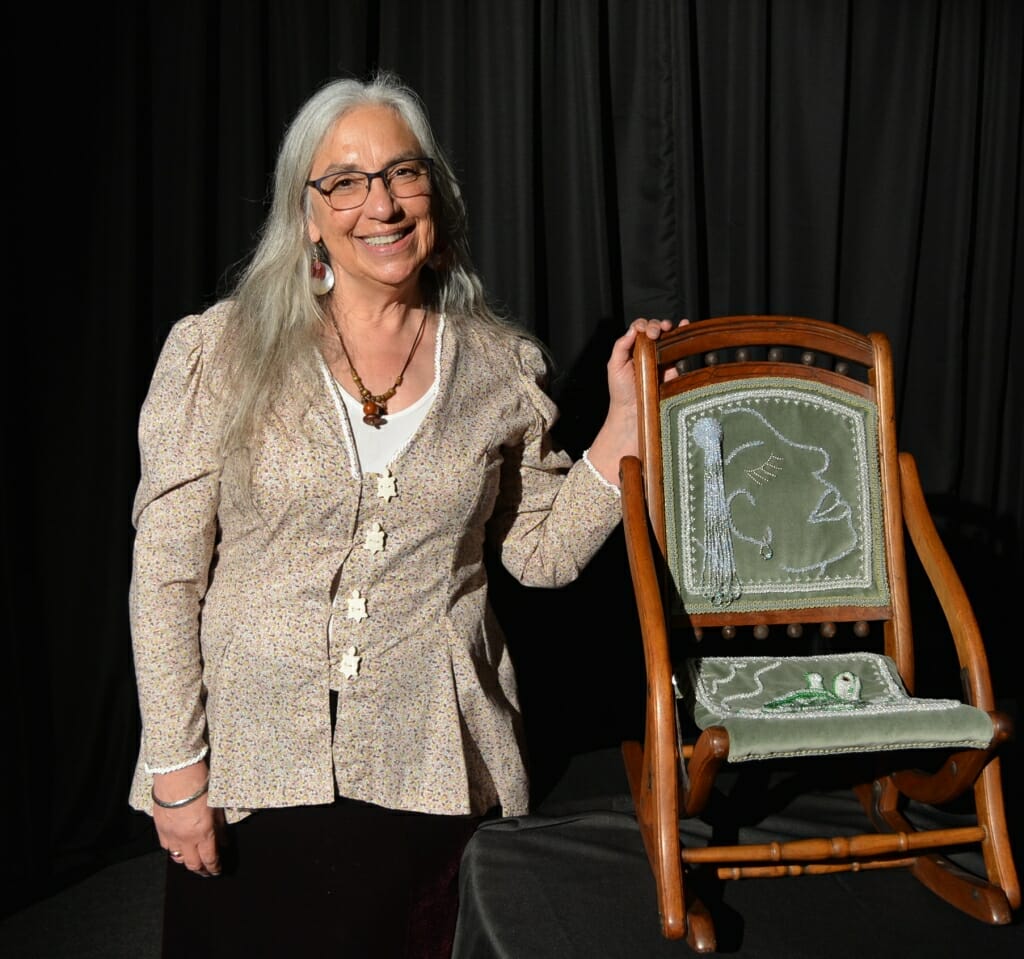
(621, 381)
(618, 435)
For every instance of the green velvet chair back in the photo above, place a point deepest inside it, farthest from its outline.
(776, 500)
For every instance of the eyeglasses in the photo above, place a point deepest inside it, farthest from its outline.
(350, 188)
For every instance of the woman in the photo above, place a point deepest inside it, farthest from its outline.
(328, 706)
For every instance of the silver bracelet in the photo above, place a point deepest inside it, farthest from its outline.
(178, 803)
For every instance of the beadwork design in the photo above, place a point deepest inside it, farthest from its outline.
(749, 686)
(844, 693)
(774, 490)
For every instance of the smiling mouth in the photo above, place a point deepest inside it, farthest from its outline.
(386, 239)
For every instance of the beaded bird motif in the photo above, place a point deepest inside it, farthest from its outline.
(844, 694)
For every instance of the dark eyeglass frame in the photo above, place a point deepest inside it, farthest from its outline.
(380, 174)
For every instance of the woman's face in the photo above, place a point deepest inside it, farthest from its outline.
(381, 245)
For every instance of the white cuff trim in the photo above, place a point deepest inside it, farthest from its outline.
(597, 473)
(156, 770)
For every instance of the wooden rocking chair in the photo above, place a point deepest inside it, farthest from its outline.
(764, 523)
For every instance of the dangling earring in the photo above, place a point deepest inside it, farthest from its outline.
(321, 276)
(439, 258)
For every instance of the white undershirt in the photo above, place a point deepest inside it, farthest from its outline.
(378, 447)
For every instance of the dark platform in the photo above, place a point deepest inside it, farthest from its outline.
(573, 881)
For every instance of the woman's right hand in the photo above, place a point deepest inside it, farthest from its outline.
(191, 834)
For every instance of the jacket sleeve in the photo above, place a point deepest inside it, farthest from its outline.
(174, 516)
(552, 515)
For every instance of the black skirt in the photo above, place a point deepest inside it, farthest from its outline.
(348, 879)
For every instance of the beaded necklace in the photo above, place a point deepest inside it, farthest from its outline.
(375, 406)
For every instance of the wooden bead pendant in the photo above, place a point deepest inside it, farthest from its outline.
(373, 413)
(375, 406)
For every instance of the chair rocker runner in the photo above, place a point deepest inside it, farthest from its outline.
(764, 523)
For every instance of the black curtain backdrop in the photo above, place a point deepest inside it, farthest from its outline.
(854, 160)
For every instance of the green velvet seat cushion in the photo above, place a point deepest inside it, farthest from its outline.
(819, 705)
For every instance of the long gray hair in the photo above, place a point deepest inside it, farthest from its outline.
(276, 320)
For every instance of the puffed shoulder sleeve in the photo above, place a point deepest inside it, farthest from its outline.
(174, 515)
(552, 514)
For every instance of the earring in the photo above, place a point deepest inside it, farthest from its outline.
(321, 276)
(440, 258)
